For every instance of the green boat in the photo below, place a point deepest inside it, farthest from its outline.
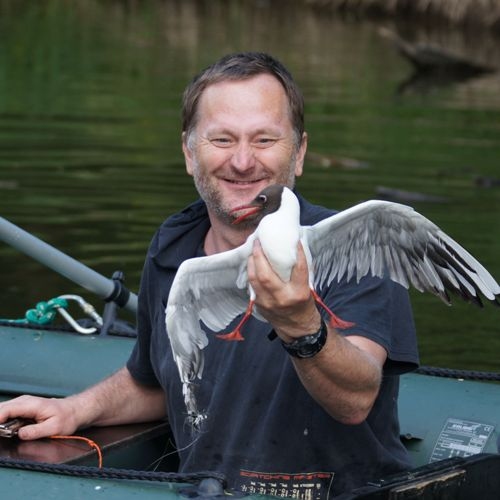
(450, 420)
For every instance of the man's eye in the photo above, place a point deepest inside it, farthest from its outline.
(221, 141)
(265, 141)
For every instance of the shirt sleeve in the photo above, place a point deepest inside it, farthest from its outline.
(139, 363)
(381, 311)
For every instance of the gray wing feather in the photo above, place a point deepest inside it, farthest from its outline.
(383, 238)
(204, 289)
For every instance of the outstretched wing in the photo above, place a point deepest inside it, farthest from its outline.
(212, 289)
(384, 238)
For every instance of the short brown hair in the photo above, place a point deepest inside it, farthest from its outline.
(242, 66)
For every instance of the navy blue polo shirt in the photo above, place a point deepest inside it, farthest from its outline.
(263, 429)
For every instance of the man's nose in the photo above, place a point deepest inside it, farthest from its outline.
(243, 156)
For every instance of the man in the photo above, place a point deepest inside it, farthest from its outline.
(310, 427)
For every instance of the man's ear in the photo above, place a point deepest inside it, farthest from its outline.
(188, 154)
(299, 162)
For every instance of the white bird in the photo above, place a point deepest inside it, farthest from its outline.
(375, 237)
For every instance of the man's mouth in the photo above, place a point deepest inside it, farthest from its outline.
(243, 183)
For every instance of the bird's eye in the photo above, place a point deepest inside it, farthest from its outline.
(262, 198)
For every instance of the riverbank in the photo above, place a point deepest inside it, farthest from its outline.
(479, 14)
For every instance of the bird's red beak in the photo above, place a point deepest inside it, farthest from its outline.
(249, 210)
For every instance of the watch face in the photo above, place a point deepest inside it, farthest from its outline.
(308, 346)
(308, 350)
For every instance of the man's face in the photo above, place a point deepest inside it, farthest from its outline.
(243, 142)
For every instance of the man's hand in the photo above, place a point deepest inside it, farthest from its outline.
(289, 307)
(51, 416)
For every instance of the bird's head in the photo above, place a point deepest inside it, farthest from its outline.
(266, 202)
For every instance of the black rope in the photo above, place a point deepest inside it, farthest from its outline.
(111, 473)
(453, 373)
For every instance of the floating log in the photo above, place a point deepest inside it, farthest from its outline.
(431, 58)
(402, 196)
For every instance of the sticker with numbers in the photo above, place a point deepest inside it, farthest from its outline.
(303, 486)
(461, 438)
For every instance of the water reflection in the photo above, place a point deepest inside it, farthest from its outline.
(90, 157)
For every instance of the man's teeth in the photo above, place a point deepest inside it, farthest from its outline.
(243, 182)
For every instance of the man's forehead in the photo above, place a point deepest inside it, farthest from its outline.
(262, 97)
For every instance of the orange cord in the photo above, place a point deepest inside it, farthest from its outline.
(91, 443)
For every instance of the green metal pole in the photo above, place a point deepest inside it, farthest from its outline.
(66, 266)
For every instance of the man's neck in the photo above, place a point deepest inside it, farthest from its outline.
(221, 237)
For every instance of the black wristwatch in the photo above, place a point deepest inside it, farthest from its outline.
(309, 345)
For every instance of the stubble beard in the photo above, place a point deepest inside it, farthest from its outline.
(215, 204)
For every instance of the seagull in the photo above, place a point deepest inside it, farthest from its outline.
(376, 237)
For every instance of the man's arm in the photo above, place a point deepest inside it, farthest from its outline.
(118, 399)
(345, 376)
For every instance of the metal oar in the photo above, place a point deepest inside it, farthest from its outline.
(108, 289)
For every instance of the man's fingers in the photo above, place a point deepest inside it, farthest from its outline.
(37, 430)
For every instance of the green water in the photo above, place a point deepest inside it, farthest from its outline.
(90, 157)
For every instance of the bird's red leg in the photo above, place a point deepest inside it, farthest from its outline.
(236, 333)
(335, 321)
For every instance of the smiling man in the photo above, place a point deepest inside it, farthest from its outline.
(240, 139)
(277, 421)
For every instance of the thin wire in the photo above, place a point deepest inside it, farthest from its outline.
(155, 464)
